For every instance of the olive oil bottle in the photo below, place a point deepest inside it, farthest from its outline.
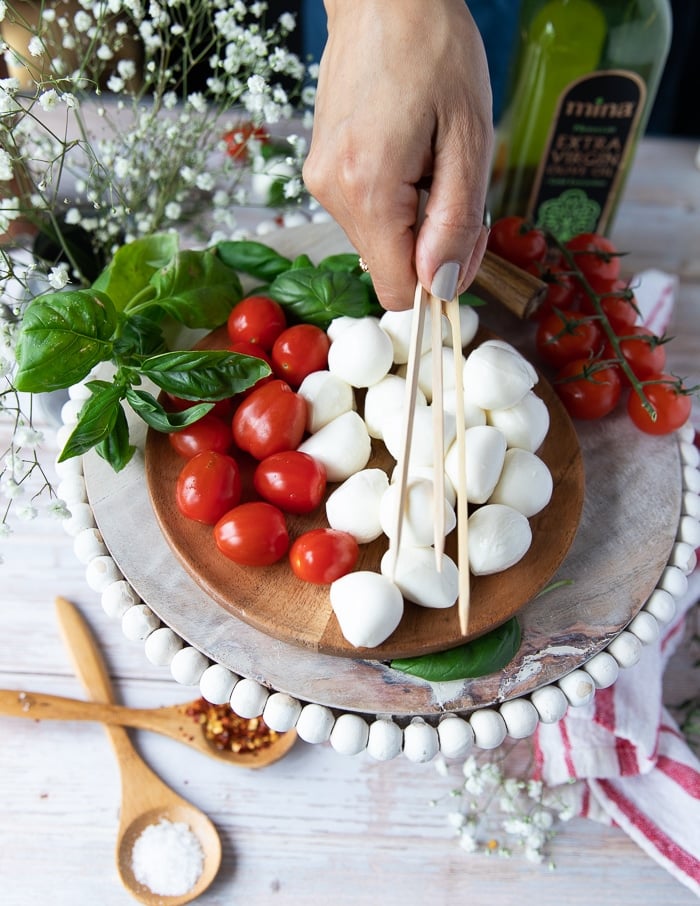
(584, 79)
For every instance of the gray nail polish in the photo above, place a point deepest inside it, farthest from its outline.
(444, 284)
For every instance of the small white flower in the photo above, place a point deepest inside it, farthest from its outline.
(3, 10)
(35, 46)
(5, 166)
(173, 210)
(5, 531)
(59, 509)
(48, 99)
(534, 789)
(542, 818)
(533, 855)
(82, 21)
(468, 843)
(58, 276)
(26, 513)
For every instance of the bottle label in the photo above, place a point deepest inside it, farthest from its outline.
(591, 140)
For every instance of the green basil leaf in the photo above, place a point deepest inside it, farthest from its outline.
(140, 335)
(62, 337)
(302, 261)
(199, 375)
(471, 300)
(155, 416)
(97, 420)
(133, 265)
(253, 258)
(115, 448)
(345, 261)
(318, 296)
(479, 657)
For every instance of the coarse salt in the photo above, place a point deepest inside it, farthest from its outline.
(167, 858)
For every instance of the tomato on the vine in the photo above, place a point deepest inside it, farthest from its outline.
(271, 419)
(299, 351)
(252, 534)
(293, 481)
(208, 485)
(588, 390)
(237, 138)
(256, 319)
(516, 240)
(669, 400)
(562, 289)
(597, 258)
(323, 555)
(643, 352)
(565, 335)
(207, 433)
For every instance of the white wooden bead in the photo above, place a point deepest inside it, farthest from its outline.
(188, 666)
(683, 556)
(79, 391)
(162, 645)
(686, 433)
(281, 712)
(248, 698)
(89, 544)
(520, 716)
(101, 572)
(349, 734)
(626, 649)
(385, 739)
(578, 687)
(138, 622)
(489, 728)
(645, 627)
(315, 723)
(551, 703)
(691, 504)
(80, 518)
(68, 467)
(674, 581)
(690, 454)
(456, 736)
(70, 411)
(117, 598)
(603, 669)
(662, 605)
(691, 479)
(689, 531)
(294, 219)
(420, 741)
(62, 435)
(216, 684)
(72, 490)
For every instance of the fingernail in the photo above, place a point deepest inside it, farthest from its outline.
(444, 284)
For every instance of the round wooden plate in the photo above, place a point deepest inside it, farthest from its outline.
(275, 602)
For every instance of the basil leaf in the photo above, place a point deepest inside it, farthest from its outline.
(97, 420)
(198, 375)
(62, 337)
(155, 416)
(345, 261)
(302, 261)
(197, 289)
(115, 448)
(471, 300)
(318, 296)
(253, 258)
(483, 655)
(140, 335)
(133, 265)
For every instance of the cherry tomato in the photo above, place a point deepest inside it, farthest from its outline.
(565, 335)
(237, 139)
(271, 419)
(588, 391)
(221, 408)
(298, 351)
(252, 534)
(207, 433)
(256, 319)
(671, 404)
(244, 347)
(516, 240)
(562, 289)
(208, 486)
(619, 306)
(293, 481)
(323, 555)
(597, 259)
(643, 352)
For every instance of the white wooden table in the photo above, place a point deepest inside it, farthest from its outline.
(316, 827)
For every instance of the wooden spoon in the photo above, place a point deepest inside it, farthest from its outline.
(146, 800)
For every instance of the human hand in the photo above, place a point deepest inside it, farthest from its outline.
(404, 100)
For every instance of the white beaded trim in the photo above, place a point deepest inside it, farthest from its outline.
(382, 737)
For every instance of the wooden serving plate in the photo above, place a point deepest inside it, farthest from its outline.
(273, 601)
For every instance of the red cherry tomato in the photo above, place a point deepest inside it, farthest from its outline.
(298, 351)
(293, 481)
(671, 404)
(221, 408)
(619, 306)
(597, 259)
(562, 289)
(207, 433)
(252, 534)
(237, 139)
(643, 352)
(271, 419)
(257, 319)
(208, 486)
(516, 240)
(588, 391)
(323, 555)
(565, 335)
(244, 347)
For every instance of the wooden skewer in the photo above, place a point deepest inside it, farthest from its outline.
(438, 431)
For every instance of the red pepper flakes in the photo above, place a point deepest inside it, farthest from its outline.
(228, 732)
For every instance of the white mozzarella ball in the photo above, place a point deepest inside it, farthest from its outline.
(338, 325)
(504, 344)
(468, 326)
(497, 376)
(362, 354)
(354, 505)
(425, 371)
(417, 528)
(384, 397)
(327, 396)
(428, 472)
(473, 415)
(397, 325)
(484, 453)
(499, 537)
(343, 446)
(368, 607)
(525, 424)
(418, 578)
(525, 483)
(421, 436)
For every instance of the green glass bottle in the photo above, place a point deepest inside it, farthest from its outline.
(584, 79)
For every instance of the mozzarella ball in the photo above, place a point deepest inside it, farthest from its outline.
(485, 450)
(497, 376)
(416, 574)
(343, 446)
(384, 397)
(397, 325)
(428, 472)
(425, 371)
(525, 424)
(417, 529)
(327, 396)
(368, 607)
(473, 415)
(468, 326)
(338, 325)
(525, 483)
(362, 354)
(421, 436)
(353, 507)
(499, 537)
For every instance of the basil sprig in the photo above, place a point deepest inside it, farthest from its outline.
(483, 655)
